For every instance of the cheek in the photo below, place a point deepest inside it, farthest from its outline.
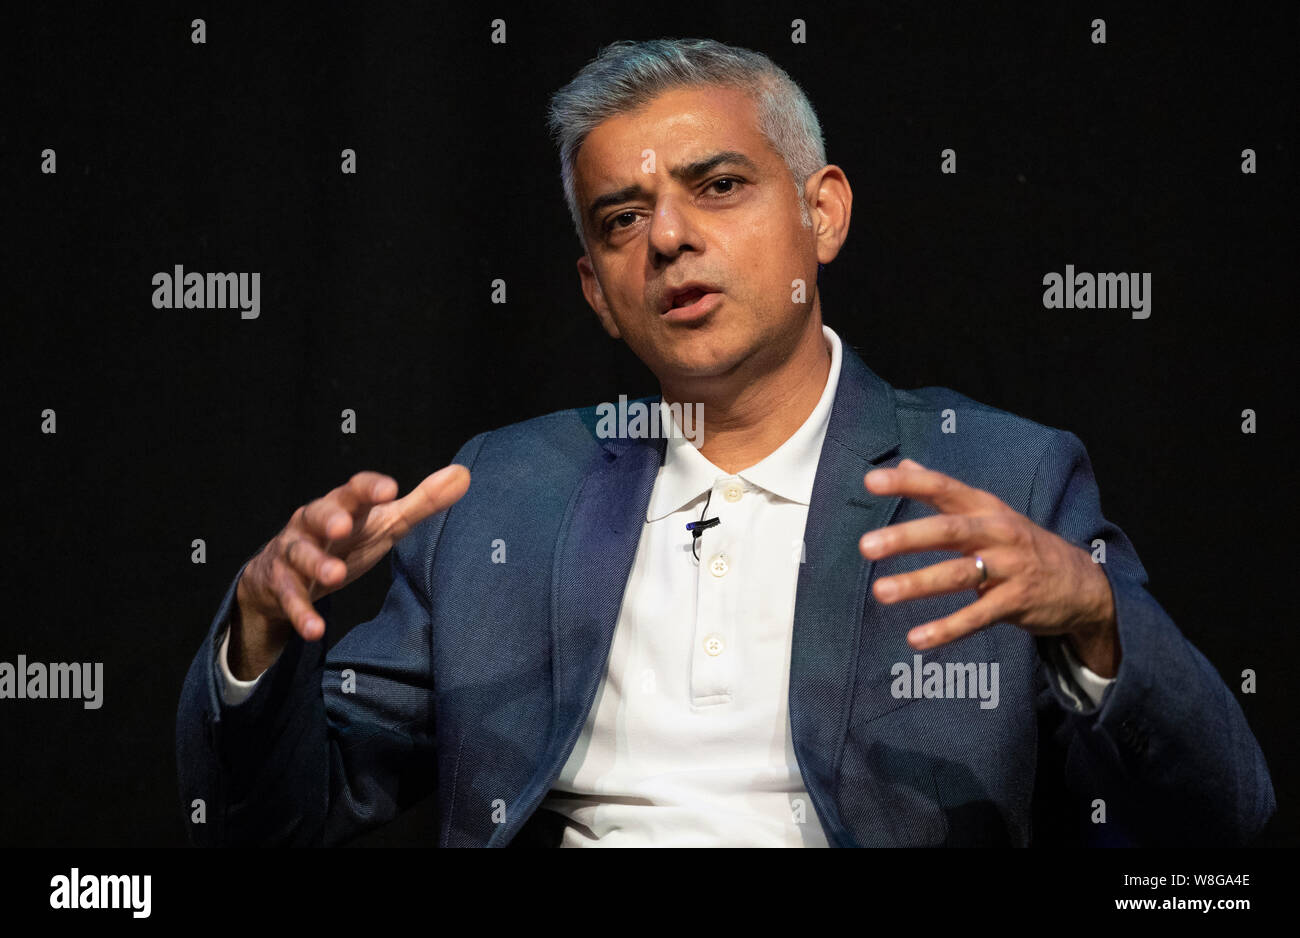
(624, 296)
(765, 262)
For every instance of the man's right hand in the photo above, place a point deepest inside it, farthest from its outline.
(326, 545)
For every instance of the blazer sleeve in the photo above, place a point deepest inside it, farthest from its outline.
(326, 746)
(1167, 748)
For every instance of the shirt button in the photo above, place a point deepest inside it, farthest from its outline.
(718, 566)
(733, 492)
(714, 645)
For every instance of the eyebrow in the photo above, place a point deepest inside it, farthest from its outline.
(685, 173)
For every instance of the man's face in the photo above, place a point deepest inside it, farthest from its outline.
(720, 208)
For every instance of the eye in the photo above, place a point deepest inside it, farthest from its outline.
(730, 182)
(610, 224)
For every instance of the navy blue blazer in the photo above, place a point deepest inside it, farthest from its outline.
(475, 678)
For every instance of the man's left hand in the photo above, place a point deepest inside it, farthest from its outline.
(1034, 579)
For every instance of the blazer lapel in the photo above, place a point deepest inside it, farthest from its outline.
(593, 559)
(832, 585)
(593, 563)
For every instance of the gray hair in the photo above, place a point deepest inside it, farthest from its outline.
(626, 75)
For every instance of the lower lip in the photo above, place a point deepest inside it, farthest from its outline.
(697, 310)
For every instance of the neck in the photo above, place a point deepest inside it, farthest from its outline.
(749, 412)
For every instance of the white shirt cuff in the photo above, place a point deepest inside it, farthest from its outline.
(1093, 684)
(233, 690)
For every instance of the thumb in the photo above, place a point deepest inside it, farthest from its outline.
(440, 490)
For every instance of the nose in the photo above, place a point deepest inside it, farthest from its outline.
(671, 229)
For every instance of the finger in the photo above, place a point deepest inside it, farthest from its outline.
(312, 585)
(992, 606)
(938, 532)
(370, 488)
(289, 590)
(934, 488)
(440, 490)
(338, 513)
(313, 562)
(949, 576)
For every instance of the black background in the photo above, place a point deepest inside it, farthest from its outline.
(183, 424)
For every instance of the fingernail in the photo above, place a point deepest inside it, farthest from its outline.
(871, 543)
(886, 589)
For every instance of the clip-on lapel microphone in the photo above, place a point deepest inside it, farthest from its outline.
(697, 528)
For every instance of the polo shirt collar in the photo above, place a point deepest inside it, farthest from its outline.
(787, 472)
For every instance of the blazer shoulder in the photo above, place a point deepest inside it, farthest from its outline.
(549, 447)
(984, 446)
(929, 407)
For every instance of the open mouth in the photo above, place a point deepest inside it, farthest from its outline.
(686, 298)
(684, 302)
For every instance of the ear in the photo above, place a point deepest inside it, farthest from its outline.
(596, 297)
(831, 201)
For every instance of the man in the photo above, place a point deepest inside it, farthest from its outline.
(884, 634)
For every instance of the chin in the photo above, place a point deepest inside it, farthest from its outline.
(696, 354)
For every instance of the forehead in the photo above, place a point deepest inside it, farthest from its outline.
(679, 124)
